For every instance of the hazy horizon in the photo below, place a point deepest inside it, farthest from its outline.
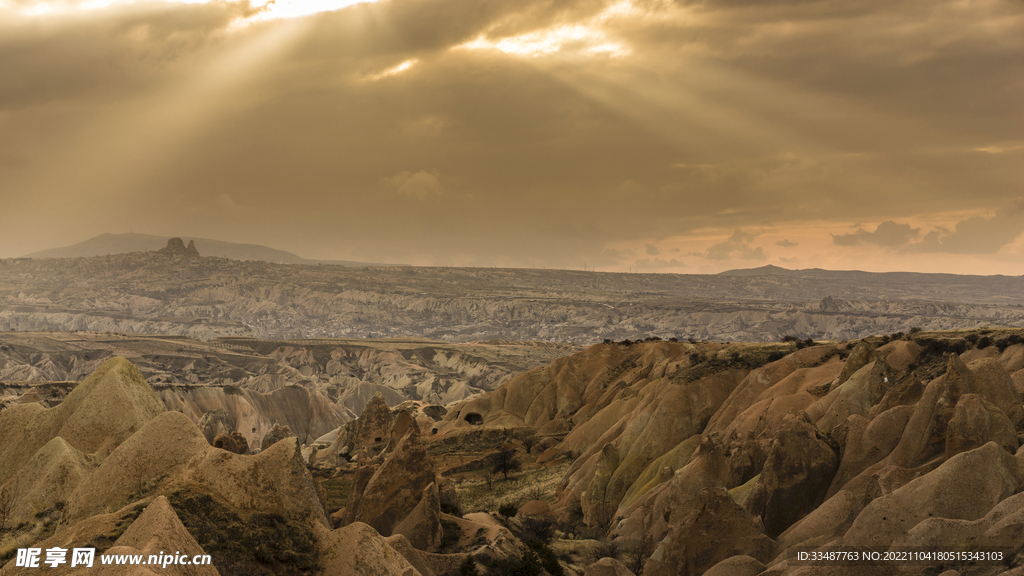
(647, 135)
(150, 247)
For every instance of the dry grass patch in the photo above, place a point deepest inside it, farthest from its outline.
(532, 483)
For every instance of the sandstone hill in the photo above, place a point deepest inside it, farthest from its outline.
(692, 454)
(109, 468)
(209, 297)
(247, 385)
(660, 457)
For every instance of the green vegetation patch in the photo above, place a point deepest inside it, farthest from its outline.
(335, 488)
(263, 544)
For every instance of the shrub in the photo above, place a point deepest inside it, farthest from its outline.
(528, 565)
(262, 544)
(538, 528)
(606, 549)
(535, 492)
(546, 556)
(1008, 341)
(508, 509)
(468, 567)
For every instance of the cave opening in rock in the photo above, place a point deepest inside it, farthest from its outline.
(474, 419)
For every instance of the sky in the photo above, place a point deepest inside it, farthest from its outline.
(619, 135)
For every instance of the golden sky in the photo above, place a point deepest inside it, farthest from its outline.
(649, 135)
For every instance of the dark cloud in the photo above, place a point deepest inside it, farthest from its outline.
(974, 235)
(83, 59)
(888, 234)
(697, 118)
(786, 243)
(977, 235)
(736, 247)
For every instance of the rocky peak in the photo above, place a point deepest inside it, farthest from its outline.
(176, 247)
(828, 304)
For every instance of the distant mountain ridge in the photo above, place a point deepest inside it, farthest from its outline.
(772, 270)
(106, 244)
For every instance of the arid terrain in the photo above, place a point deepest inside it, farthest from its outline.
(652, 457)
(173, 292)
(313, 386)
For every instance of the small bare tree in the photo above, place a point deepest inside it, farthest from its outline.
(8, 501)
(505, 462)
(529, 441)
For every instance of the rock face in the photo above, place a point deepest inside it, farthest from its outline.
(422, 527)
(863, 354)
(607, 567)
(708, 529)
(795, 477)
(975, 422)
(373, 426)
(925, 434)
(449, 498)
(176, 247)
(276, 434)
(234, 443)
(395, 490)
(359, 549)
(954, 491)
(215, 423)
(736, 566)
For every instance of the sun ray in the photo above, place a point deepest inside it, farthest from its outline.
(119, 151)
(268, 9)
